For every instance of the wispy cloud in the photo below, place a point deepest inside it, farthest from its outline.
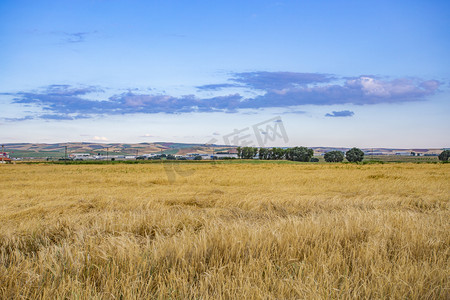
(68, 100)
(359, 91)
(340, 114)
(73, 37)
(217, 87)
(297, 112)
(279, 80)
(61, 117)
(137, 103)
(280, 90)
(26, 118)
(76, 37)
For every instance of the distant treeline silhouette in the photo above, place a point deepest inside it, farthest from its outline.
(298, 154)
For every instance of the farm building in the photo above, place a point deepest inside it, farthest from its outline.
(4, 158)
(225, 155)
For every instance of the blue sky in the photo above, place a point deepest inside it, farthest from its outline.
(338, 73)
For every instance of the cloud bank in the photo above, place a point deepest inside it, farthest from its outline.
(340, 114)
(279, 90)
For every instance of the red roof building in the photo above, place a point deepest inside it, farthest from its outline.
(4, 157)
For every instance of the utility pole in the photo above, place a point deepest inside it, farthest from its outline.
(3, 151)
(107, 153)
(65, 154)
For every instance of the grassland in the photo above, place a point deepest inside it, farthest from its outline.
(242, 231)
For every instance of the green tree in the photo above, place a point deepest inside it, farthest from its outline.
(445, 155)
(248, 152)
(255, 151)
(244, 152)
(354, 155)
(299, 154)
(334, 156)
(198, 157)
(277, 153)
(239, 152)
(263, 153)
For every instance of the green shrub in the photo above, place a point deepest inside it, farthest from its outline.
(299, 154)
(354, 155)
(445, 155)
(334, 156)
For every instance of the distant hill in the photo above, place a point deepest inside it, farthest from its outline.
(29, 150)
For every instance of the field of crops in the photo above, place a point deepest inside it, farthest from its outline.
(212, 230)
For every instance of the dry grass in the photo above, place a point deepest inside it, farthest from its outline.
(250, 231)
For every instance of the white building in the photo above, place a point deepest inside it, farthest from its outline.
(81, 156)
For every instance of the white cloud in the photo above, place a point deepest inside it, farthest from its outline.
(399, 87)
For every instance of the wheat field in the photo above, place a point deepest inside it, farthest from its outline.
(225, 231)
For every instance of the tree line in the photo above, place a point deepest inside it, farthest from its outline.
(306, 155)
(298, 154)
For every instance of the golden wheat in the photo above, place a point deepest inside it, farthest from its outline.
(242, 231)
